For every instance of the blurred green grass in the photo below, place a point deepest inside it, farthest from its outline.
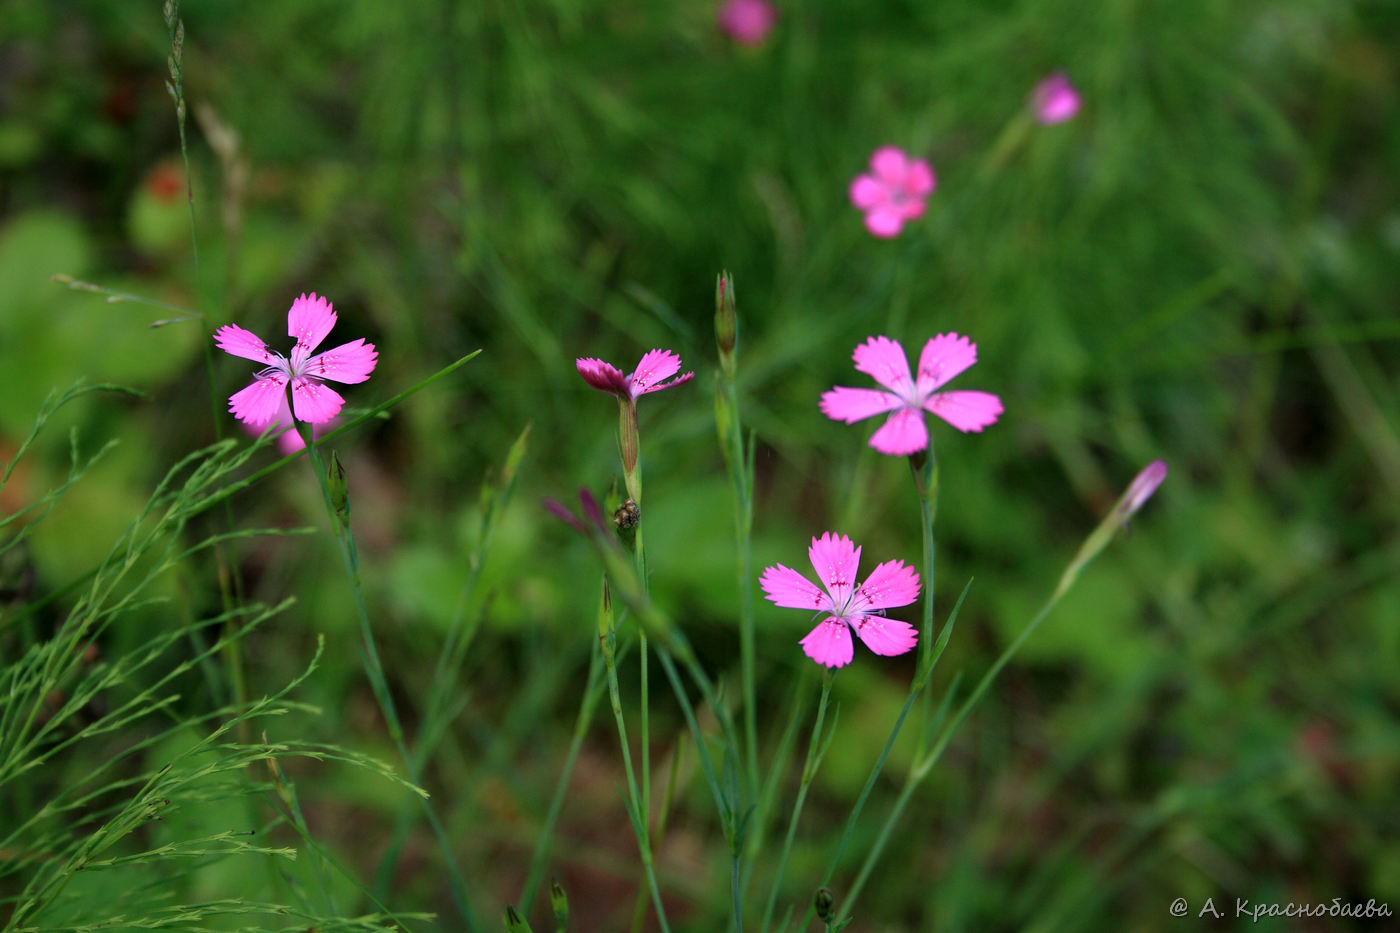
(1203, 266)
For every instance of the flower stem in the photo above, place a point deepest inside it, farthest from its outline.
(924, 466)
(809, 772)
(338, 510)
(634, 808)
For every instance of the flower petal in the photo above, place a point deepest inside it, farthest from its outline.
(943, 357)
(867, 193)
(911, 209)
(886, 636)
(289, 441)
(904, 433)
(883, 360)
(605, 377)
(889, 585)
(257, 404)
(966, 411)
(349, 362)
(308, 321)
(235, 340)
(655, 366)
(829, 643)
(791, 590)
(920, 181)
(679, 380)
(884, 223)
(890, 165)
(313, 402)
(836, 559)
(843, 403)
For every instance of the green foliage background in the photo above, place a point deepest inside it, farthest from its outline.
(1203, 266)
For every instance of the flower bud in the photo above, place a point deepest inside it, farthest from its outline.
(726, 322)
(340, 496)
(560, 902)
(824, 904)
(514, 922)
(1141, 489)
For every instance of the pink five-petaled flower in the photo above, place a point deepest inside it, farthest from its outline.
(655, 367)
(309, 320)
(904, 432)
(893, 192)
(747, 21)
(1054, 99)
(846, 604)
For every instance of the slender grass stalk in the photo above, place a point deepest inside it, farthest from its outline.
(911, 782)
(777, 768)
(591, 694)
(633, 801)
(915, 690)
(739, 464)
(230, 583)
(924, 467)
(460, 635)
(1138, 492)
(815, 750)
(337, 504)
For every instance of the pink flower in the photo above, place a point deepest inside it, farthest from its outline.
(1054, 99)
(747, 21)
(655, 366)
(904, 432)
(288, 438)
(309, 320)
(893, 192)
(845, 604)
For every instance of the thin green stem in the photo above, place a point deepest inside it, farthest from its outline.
(633, 797)
(809, 772)
(339, 515)
(915, 690)
(591, 695)
(741, 484)
(915, 777)
(924, 467)
(460, 635)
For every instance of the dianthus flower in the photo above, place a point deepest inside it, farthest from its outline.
(655, 367)
(845, 604)
(309, 320)
(747, 21)
(1054, 99)
(893, 192)
(904, 431)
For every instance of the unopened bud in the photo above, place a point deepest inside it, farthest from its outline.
(605, 616)
(1139, 491)
(824, 904)
(340, 495)
(726, 322)
(560, 902)
(514, 922)
(1141, 488)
